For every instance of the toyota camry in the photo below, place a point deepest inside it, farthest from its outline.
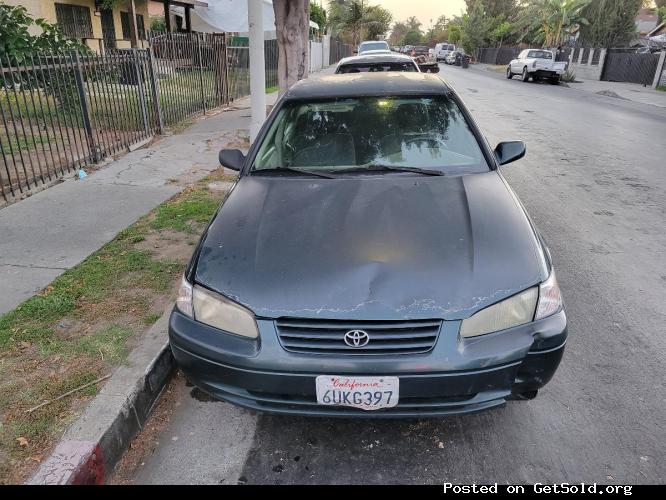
(370, 260)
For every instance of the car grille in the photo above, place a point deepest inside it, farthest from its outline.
(315, 336)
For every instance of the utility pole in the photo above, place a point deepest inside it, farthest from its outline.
(257, 67)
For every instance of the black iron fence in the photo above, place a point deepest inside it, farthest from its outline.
(626, 65)
(504, 55)
(61, 112)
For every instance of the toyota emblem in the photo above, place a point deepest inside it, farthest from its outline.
(357, 338)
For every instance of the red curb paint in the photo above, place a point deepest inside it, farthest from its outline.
(72, 462)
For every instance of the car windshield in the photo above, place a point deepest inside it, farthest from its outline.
(373, 46)
(363, 133)
(373, 67)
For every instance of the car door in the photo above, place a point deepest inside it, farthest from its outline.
(517, 65)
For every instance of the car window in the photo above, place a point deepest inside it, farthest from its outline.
(373, 46)
(402, 131)
(376, 67)
(540, 54)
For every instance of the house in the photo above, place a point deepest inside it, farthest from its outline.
(102, 28)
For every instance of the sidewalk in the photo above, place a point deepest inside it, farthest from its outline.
(57, 228)
(621, 90)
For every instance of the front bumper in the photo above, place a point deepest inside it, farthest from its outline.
(457, 376)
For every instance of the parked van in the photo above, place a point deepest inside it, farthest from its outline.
(442, 50)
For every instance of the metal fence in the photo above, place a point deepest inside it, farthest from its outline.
(339, 50)
(504, 55)
(626, 65)
(61, 112)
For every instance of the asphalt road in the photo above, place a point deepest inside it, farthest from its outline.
(594, 180)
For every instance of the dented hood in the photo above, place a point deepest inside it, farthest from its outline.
(370, 247)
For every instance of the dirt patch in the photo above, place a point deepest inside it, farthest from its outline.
(168, 244)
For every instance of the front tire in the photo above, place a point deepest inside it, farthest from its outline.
(525, 75)
(509, 75)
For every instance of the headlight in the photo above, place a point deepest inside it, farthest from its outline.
(215, 310)
(550, 298)
(514, 311)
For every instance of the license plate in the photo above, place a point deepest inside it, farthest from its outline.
(367, 393)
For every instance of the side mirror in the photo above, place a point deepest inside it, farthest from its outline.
(509, 151)
(232, 159)
(355, 52)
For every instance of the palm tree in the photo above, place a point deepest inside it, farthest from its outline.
(553, 19)
(353, 17)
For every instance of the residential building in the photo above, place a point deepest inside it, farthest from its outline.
(99, 28)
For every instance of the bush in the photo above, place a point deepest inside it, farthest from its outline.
(568, 76)
(16, 42)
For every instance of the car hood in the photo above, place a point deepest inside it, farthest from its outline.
(370, 247)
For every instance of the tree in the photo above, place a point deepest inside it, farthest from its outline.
(292, 29)
(412, 37)
(500, 32)
(318, 15)
(552, 20)
(611, 22)
(353, 18)
(398, 33)
(413, 24)
(381, 22)
(454, 33)
(438, 32)
(500, 8)
(17, 43)
(476, 27)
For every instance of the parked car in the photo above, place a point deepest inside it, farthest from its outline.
(376, 46)
(536, 64)
(420, 50)
(457, 53)
(375, 62)
(442, 50)
(370, 260)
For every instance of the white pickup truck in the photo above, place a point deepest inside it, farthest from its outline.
(537, 64)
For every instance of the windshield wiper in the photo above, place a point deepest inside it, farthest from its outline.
(380, 167)
(293, 171)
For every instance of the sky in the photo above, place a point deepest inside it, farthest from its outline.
(424, 10)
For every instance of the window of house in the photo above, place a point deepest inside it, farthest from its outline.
(74, 20)
(127, 31)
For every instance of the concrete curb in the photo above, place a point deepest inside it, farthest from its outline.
(92, 446)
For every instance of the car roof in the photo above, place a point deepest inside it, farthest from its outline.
(376, 57)
(368, 84)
